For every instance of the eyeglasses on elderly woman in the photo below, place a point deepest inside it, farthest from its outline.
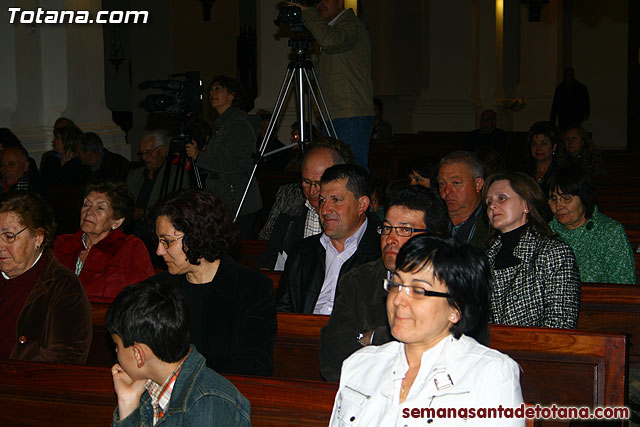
(9, 237)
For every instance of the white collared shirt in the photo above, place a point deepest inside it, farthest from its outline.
(333, 262)
(455, 373)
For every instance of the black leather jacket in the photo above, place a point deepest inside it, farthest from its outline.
(303, 275)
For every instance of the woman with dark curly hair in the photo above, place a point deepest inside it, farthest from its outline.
(228, 158)
(232, 308)
(102, 256)
(44, 312)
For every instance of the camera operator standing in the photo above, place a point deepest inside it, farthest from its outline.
(228, 157)
(344, 71)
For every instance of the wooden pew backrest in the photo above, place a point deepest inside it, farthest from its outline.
(568, 367)
(562, 366)
(72, 395)
(612, 308)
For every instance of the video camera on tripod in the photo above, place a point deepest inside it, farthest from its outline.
(292, 16)
(182, 100)
(181, 97)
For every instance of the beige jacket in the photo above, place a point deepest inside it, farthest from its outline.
(344, 66)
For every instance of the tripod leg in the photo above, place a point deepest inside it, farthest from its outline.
(282, 96)
(300, 104)
(321, 104)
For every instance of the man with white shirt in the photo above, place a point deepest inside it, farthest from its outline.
(344, 71)
(300, 220)
(350, 239)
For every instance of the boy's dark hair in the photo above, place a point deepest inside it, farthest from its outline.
(154, 314)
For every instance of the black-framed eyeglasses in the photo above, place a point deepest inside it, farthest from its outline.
(168, 242)
(148, 152)
(400, 231)
(412, 291)
(9, 237)
(308, 183)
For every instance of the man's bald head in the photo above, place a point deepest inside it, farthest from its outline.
(14, 162)
(314, 164)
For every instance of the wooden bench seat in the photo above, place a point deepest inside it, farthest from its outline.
(72, 395)
(612, 308)
(568, 367)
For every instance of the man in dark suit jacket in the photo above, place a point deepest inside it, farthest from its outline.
(350, 239)
(359, 316)
(104, 164)
(460, 182)
(300, 220)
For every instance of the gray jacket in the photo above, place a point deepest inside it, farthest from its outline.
(228, 161)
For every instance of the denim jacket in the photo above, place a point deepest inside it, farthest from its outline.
(200, 397)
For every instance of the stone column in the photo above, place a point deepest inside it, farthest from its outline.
(487, 85)
(540, 64)
(445, 102)
(58, 69)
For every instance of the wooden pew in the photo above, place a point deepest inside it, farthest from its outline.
(605, 308)
(567, 367)
(612, 308)
(72, 395)
(275, 277)
(247, 252)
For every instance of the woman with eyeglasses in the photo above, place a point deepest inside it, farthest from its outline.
(536, 278)
(232, 308)
(228, 157)
(543, 141)
(102, 256)
(438, 294)
(44, 310)
(600, 243)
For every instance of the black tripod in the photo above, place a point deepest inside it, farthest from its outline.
(298, 70)
(177, 150)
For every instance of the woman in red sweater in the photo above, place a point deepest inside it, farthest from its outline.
(102, 256)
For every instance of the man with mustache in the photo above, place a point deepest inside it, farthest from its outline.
(349, 239)
(300, 219)
(359, 317)
(460, 181)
